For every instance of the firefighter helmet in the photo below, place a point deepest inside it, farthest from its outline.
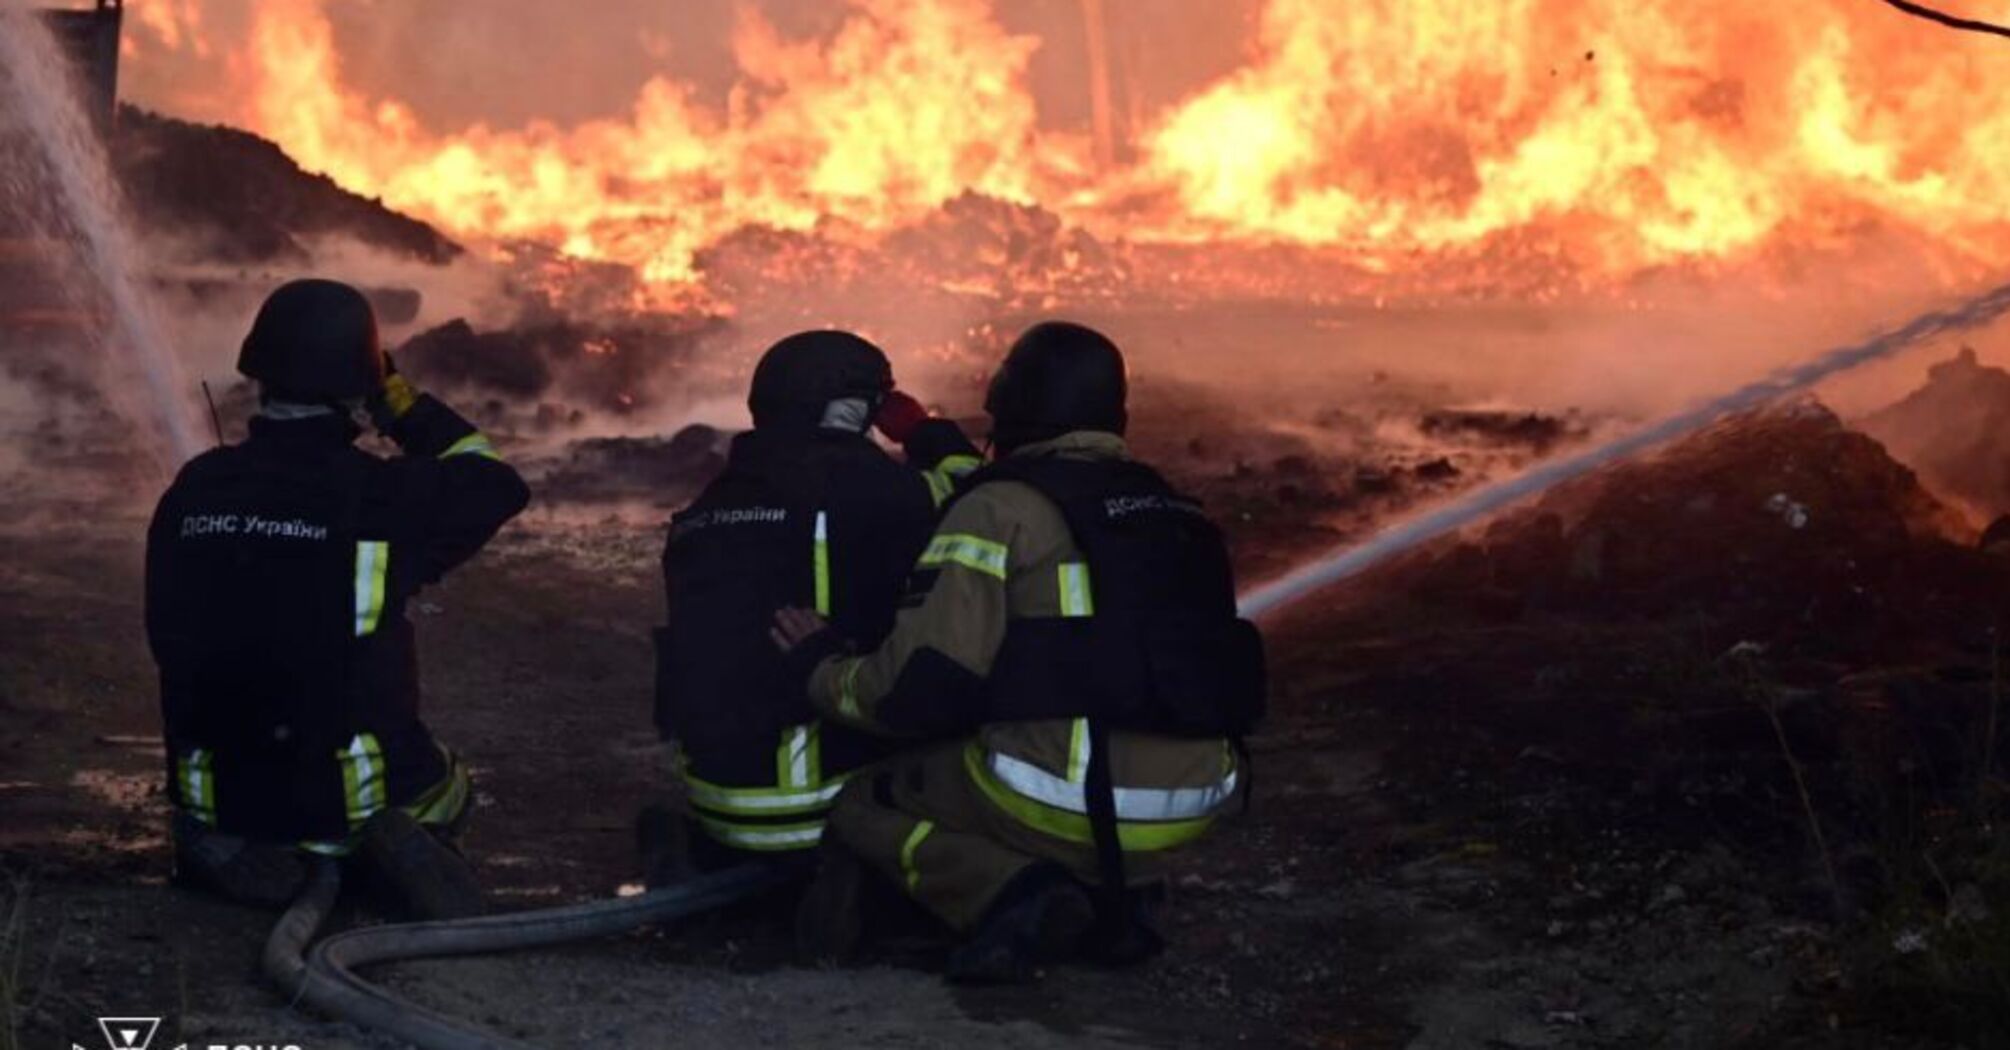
(801, 375)
(315, 341)
(1058, 377)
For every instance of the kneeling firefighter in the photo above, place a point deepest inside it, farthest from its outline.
(810, 511)
(1073, 631)
(277, 576)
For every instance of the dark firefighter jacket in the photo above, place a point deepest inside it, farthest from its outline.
(998, 640)
(277, 576)
(814, 518)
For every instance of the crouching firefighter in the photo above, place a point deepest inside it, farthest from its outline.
(1073, 631)
(808, 511)
(277, 576)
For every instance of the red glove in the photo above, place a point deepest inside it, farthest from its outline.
(899, 416)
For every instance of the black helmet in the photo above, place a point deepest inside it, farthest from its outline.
(314, 341)
(1058, 377)
(801, 375)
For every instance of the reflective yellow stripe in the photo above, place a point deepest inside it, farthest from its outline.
(363, 787)
(373, 560)
(761, 801)
(475, 444)
(914, 840)
(823, 565)
(763, 837)
(1132, 836)
(940, 488)
(942, 479)
(1076, 600)
(971, 552)
(198, 785)
(848, 689)
(1078, 752)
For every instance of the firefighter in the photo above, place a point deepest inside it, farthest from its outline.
(278, 571)
(1073, 634)
(809, 510)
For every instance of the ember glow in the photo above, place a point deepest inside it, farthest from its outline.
(1601, 138)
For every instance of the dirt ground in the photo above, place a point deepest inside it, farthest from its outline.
(1465, 833)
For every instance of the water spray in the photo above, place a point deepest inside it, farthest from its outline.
(1353, 560)
(37, 87)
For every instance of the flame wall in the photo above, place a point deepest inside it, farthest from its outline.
(1609, 137)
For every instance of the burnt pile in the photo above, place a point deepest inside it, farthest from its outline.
(1955, 431)
(229, 196)
(546, 374)
(1782, 526)
(660, 472)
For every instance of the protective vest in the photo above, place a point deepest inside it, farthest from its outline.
(288, 675)
(1149, 639)
(821, 520)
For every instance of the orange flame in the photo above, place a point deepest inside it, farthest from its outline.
(1617, 135)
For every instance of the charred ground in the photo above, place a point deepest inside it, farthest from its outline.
(1538, 787)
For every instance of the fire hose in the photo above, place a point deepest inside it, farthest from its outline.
(325, 977)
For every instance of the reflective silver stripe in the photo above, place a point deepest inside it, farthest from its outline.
(799, 758)
(727, 800)
(739, 836)
(1076, 599)
(198, 786)
(1132, 803)
(363, 777)
(373, 559)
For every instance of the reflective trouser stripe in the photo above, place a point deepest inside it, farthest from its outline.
(764, 837)
(1134, 836)
(1078, 751)
(799, 759)
(373, 560)
(1133, 803)
(475, 444)
(907, 850)
(823, 564)
(364, 790)
(762, 801)
(440, 806)
(1076, 599)
(198, 785)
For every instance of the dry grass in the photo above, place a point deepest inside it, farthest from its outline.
(13, 951)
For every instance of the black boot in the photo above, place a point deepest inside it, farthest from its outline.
(258, 873)
(663, 843)
(1039, 919)
(830, 919)
(422, 876)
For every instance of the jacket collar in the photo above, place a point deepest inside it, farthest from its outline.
(312, 433)
(1078, 444)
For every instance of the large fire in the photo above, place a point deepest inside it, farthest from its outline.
(1605, 137)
